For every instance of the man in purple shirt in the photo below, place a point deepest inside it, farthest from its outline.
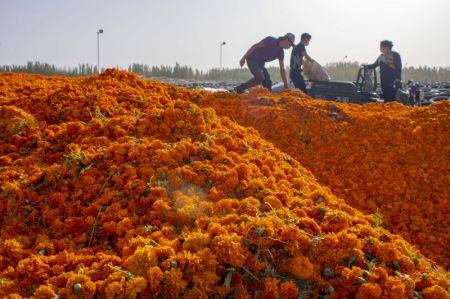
(267, 50)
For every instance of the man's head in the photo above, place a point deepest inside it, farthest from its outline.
(386, 46)
(305, 38)
(287, 41)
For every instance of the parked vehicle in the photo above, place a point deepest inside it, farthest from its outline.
(362, 91)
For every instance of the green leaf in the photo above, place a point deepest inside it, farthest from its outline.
(371, 264)
(227, 281)
(378, 219)
(128, 275)
(78, 289)
(260, 231)
(360, 280)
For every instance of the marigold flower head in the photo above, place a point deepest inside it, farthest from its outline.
(369, 291)
(300, 267)
(288, 289)
(141, 260)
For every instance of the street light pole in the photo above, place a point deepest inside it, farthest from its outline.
(221, 44)
(98, 49)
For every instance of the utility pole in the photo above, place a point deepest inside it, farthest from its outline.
(100, 31)
(221, 44)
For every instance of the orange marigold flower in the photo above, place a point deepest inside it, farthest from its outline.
(135, 286)
(115, 290)
(174, 284)
(44, 292)
(369, 291)
(196, 241)
(80, 285)
(154, 278)
(395, 287)
(435, 292)
(270, 288)
(288, 289)
(300, 267)
(206, 281)
(141, 260)
(229, 249)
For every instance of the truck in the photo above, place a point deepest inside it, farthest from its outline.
(362, 91)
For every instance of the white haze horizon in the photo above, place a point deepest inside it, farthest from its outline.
(153, 32)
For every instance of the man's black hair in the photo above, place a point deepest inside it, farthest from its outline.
(387, 43)
(305, 36)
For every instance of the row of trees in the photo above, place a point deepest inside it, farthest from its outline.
(37, 67)
(188, 73)
(338, 71)
(348, 70)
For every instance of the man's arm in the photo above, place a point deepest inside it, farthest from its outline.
(373, 65)
(283, 73)
(250, 51)
(305, 54)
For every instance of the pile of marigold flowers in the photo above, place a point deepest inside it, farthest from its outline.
(117, 187)
(387, 159)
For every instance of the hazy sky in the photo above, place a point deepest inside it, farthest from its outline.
(63, 32)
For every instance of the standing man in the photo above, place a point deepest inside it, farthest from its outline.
(267, 50)
(390, 64)
(297, 55)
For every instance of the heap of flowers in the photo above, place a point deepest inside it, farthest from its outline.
(387, 159)
(117, 187)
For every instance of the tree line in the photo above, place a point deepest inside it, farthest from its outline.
(345, 71)
(47, 69)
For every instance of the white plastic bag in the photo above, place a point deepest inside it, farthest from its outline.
(279, 87)
(314, 71)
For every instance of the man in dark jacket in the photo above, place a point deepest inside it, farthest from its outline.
(267, 50)
(297, 55)
(390, 64)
